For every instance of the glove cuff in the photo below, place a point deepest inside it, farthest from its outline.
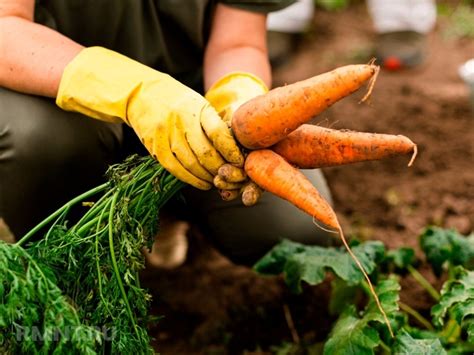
(232, 90)
(100, 83)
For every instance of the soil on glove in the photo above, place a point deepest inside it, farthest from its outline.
(213, 306)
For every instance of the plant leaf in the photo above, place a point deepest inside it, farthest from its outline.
(407, 345)
(457, 299)
(353, 334)
(401, 257)
(300, 262)
(446, 245)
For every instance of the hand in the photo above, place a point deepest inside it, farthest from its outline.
(177, 125)
(226, 95)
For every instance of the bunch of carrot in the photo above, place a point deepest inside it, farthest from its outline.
(273, 127)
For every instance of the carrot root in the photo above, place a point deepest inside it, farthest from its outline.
(366, 276)
(274, 174)
(267, 119)
(311, 147)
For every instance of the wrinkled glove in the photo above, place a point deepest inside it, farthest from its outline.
(232, 90)
(226, 95)
(178, 126)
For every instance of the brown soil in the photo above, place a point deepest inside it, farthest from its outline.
(213, 306)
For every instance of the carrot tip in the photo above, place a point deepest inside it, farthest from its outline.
(335, 231)
(371, 85)
(413, 157)
(372, 61)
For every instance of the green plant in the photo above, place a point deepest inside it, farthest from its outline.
(77, 290)
(362, 331)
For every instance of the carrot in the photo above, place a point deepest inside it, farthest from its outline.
(273, 173)
(310, 147)
(266, 119)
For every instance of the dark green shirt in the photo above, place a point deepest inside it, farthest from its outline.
(168, 35)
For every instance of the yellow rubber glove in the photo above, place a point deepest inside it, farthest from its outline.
(177, 125)
(232, 90)
(226, 95)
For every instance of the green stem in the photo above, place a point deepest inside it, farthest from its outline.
(412, 312)
(146, 188)
(114, 263)
(93, 211)
(58, 212)
(99, 274)
(385, 347)
(61, 216)
(90, 224)
(424, 283)
(450, 330)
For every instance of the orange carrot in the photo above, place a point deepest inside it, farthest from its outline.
(273, 173)
(266, 119)
(310, 147)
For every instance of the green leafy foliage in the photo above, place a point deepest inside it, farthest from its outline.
(93, 264)
(407, 345)
(300, 262)
(342, 294)
(34, 313)
(446, 246)
(457, 300)
(365, 332)
(354, 333)
(401, 257)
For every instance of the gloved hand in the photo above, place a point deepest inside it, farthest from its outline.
(232, 90)
(167, 116)
(226, 95)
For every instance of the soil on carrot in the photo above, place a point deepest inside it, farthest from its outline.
(213, 306)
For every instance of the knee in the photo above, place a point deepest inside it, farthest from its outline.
(34, 129)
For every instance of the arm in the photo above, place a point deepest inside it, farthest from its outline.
(32, 56)
(237, 43)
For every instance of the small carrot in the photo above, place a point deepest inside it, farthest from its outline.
(310, 147)
(274, 174)
(266, 119)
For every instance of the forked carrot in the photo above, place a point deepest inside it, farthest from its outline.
(310, 147)
(273, 173)
(266, 119)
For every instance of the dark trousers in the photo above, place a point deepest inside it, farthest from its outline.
(48, 156)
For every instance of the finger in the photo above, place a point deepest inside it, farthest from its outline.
(224, 185)
(231, 173)
(205, 152)
(251, 193)
(183, 152)
(229, 195)
(162, 152)
(221, 137)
